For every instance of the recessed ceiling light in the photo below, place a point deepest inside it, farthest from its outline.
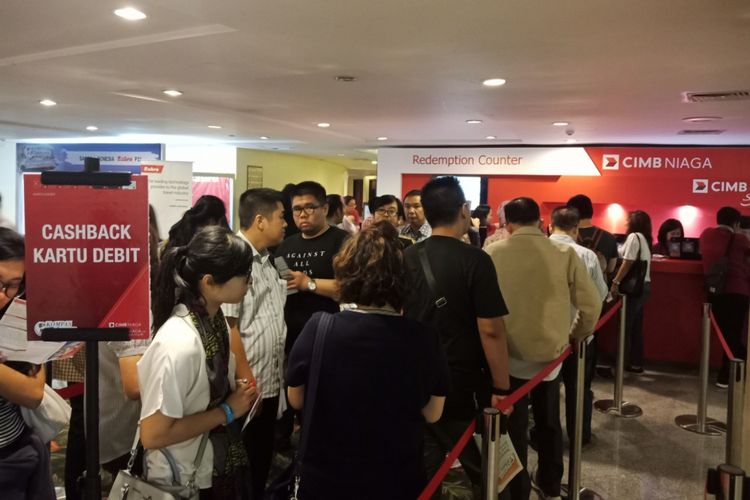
(214, 126)
(47, 102)
(700, 119)
(494, 82)
(324, 125)
(570, 141)
(374, 162)
(341, 154)
(92, 128)
(491, 137)
(473, 122)
(560, 124)
(263, 137)
(172, 92)
(382, 138)
(130, 14)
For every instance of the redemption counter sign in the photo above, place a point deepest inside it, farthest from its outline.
(87, 257)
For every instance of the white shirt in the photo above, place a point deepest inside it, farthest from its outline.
(591, 261)
(173, 380)
(118, 415)
(261, 323)
(630, 251)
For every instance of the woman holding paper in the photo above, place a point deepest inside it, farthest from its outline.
(24, 459)
(188, 390)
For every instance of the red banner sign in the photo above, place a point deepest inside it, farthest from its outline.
(87, 257)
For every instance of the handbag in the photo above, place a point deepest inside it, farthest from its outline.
(50, 417)
(632, 284)
(130, 487)
(286, 486)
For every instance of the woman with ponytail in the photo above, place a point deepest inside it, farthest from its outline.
(207, 211)
(187, 375)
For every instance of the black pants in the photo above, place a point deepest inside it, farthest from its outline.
(569, 379)
(75, 451)
(545, 403)
(440, 438)
(258, 438)
(730, 310)
(634, 327)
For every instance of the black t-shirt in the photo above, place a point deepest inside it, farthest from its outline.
(465, 275)
(314, 257)
(607, 245)
(378, 371)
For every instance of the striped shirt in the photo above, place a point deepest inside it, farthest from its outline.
(11, 423)
(261, 322)
(424, 232)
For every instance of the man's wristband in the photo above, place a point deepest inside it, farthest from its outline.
(228, 412)
(501, 392)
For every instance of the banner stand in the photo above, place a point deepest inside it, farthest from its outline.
(92, 336)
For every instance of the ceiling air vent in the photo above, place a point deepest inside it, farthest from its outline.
(732, 95)
(700, 132)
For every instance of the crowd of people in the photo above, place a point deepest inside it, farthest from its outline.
(383, 337)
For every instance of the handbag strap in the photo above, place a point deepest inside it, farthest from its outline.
(170, 460)
(325, 325)
(440, 301)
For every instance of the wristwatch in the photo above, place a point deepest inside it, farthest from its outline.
(311, 285)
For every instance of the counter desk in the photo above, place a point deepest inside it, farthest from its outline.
(672, 316)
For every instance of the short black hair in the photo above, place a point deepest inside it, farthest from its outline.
(12, 245)
(523, 211)
(334, 204)
(413, 192)
(565, 218)
(728, 216)
(442, 199)
(258, 201)
(583, 204)
(310, 188)
(382, 200)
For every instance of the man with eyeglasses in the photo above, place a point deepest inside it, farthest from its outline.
(388, 208)
(309, 255)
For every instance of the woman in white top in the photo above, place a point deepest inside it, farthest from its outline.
(637, 247)
(186, 376)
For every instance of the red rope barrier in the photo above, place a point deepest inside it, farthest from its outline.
(722, 340)
(506, 403)
(608, 315)
(71, 391)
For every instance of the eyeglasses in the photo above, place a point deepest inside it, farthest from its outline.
(390, 212)
(10, 289)
(308, 209)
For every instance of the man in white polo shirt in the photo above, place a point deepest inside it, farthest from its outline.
(257, 327)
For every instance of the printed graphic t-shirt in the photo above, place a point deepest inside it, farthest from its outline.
(314, 257)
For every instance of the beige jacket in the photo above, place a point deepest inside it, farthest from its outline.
(540, 279)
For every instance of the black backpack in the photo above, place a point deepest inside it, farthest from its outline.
(716, 277)
(592, 242)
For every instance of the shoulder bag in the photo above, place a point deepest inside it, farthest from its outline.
(632, 283)
(130, 487)
(50, 417)
(286, 486)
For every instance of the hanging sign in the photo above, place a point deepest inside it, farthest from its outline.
(87, 261)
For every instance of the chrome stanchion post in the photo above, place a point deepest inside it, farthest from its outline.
(731, 482)
(490, 453)
(700, 423)
(573, 489)
(617, 406)
(735, 409)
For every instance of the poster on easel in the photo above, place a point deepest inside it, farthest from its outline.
(170, 185)
(87, 260)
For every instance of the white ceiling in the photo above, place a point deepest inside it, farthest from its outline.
(615, 70)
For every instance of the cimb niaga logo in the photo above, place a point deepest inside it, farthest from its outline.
(610, 162)
(700, 186)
